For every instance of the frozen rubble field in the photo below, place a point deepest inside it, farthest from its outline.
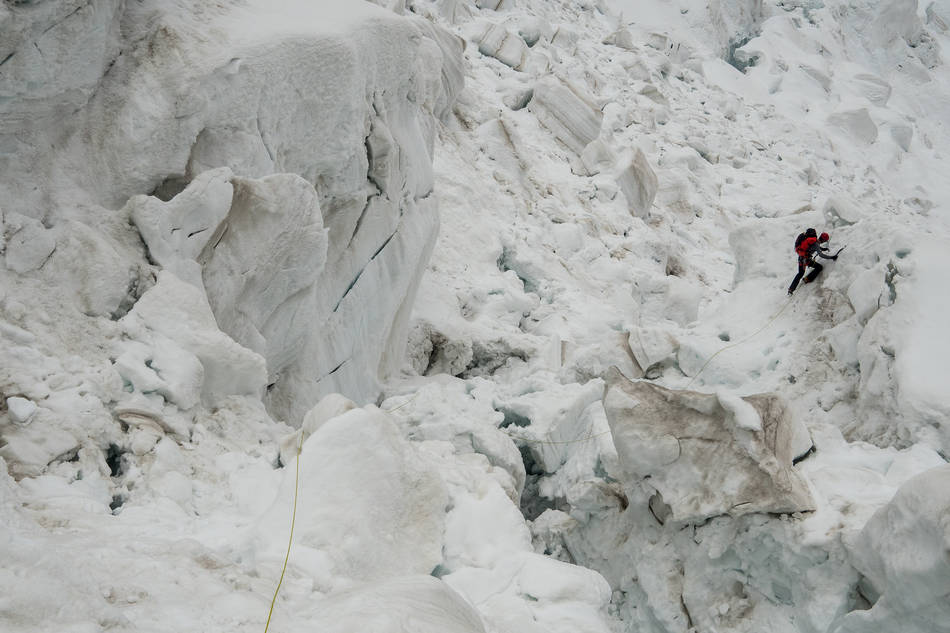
(486, 301)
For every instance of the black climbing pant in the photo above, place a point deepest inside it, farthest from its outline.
(804, 262)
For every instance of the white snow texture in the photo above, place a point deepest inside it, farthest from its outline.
(484, 302)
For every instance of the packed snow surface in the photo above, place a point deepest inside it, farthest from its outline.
(486, 299)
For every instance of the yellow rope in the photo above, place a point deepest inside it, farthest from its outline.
(293, 518)
(293, 521)
(709, 360)
(412, 399)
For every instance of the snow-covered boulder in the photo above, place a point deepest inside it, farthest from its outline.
(708, 454)
(902, 554)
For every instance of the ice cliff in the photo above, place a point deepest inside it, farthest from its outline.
(279, 161)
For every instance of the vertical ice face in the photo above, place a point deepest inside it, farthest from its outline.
(277, 157)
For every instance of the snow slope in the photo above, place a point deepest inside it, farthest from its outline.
(757, 119)
(214, 217)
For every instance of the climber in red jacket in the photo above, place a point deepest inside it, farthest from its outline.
(808, 246)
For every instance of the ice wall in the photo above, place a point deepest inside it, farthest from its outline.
(310, 241)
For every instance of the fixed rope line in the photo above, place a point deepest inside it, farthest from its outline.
(293, 516)
(410, 400)
(740, 342)
(293, 521)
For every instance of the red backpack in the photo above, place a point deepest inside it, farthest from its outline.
(803, 244)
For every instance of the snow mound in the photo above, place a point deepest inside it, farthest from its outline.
(411, 604)
(370, 508)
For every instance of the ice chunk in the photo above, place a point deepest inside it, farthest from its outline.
(565, 37)
(742, 413)
(164, 368)
(902, 552)
(21, 409)
(28, 243)
(621, 38)
(874, 88)
(495, 5)
(651, 345)
(902, 135)
(571, 118)
(597, 157)
(179, 312)
(555, 419)
(102, 283)
(842, 211)
(864, 293)
(329, 407)
(178, 230)
(705, 458)
(271, 250)
(505, 46)
(857, 123)
(639, 184)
